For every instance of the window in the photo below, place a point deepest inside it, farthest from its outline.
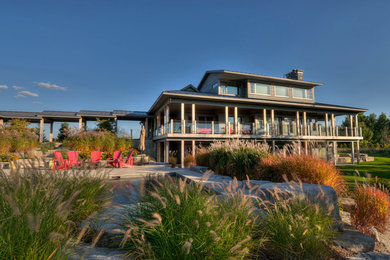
(229, 90)
(281, 91)
(215, 85)
(302, 93)
(261, 89)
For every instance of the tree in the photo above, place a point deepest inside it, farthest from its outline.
(106, 124)
(63, 132)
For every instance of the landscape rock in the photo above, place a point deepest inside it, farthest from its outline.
(354, 241)
(369, 256)
(347, 204)
(85, 251)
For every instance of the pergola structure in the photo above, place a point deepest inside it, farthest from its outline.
(81, 117)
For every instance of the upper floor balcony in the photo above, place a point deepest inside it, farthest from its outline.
(276, 130)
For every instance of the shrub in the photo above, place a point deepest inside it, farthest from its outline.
(313, 170)
(87, 141)
(296, 229)
(45, 147)
(17, 137)
(372, 208)
(40, 210)
(173, 161)
(177, 220)
(202, 158)
(189, 160)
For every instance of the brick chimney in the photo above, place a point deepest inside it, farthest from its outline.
(296, 74)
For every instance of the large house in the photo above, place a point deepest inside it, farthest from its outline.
(226, 105)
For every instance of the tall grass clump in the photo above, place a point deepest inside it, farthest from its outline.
(296, 229)
(372, 208)
(235, 158)
(178, 220)
(41, 210)
(305, 168)
(17, 137)
(87, 141)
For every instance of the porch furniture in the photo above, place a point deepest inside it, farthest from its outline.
(116, 160)
(128, 162)
(73, 159)
(59, 163)
(96, 157)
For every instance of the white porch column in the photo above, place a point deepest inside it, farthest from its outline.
(80, 123)
(357, 142)
(326, 124)
(333, 124)
(235, 120)
(351, 124)
(193, 118)
(304, 124)
(51, 132)
(272, 122)
(193, 148)
(298, 124)
(265, 121)
(166, 151)
(158, 152)
(1, 122)
(353, 152)
(273, 147)
(41, 125)
(227, 130)
(183, 130)
(182, 153)
(168, 115)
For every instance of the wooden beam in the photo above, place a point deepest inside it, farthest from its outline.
(326, 124)
(227, 130)
(193, 148)
(235, 120)
(265, 121)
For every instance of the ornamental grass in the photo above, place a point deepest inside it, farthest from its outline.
(180, 220)
(372, 208)
(87, 141)
(17, 137)
(41, 210)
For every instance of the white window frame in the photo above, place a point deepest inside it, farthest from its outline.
(253, 84)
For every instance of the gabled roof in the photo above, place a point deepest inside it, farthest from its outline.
(234, 75)
(190, 87)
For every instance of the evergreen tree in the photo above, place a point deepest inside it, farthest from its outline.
(63, 132)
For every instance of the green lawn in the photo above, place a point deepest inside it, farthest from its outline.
(380, 168)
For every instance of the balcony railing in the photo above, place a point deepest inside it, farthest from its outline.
(278, 129)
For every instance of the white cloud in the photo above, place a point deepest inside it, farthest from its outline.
(3, 87)
(50, 86)
(20, 96)
(17, 87)
(26, 93)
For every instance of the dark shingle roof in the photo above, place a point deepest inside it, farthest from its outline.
(58, 113)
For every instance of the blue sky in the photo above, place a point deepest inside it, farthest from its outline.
(106, 55)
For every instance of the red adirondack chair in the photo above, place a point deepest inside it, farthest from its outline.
(116, 160)
(59, 163)
(73, 159)
(129, 160)
(96, 157)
